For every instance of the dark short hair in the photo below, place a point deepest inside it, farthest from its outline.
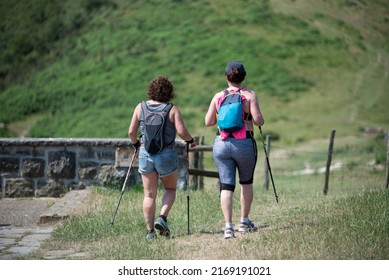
(235, 72)
(160, 89)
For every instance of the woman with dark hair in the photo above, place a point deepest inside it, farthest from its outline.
(236, 150)
(164, 164)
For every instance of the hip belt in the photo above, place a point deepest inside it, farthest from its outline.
(249, 134)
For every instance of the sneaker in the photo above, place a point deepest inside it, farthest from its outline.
(161, 225)
(151, 235)
(229, 233)
(247, 227)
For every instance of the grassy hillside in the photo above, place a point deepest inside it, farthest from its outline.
(78, 68)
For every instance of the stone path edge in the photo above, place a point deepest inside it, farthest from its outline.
(20, 242)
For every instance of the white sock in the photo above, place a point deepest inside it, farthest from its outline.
(229, 225)
(245, 220)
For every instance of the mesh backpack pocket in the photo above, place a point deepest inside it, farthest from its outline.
(230, 115)
(155, 121)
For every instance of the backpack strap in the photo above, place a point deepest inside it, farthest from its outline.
(166, 109)
(144, 108)
(220, 99)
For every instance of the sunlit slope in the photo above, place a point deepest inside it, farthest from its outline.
(315, 66)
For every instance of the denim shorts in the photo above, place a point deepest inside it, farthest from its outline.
(164, 163)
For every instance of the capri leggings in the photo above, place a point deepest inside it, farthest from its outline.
(235, 154)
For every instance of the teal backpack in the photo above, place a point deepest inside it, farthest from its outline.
(231, 114)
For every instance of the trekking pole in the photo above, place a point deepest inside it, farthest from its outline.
(124, 185)
(268, 164)
(187, 183)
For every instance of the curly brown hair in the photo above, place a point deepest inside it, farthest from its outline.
(160, 89)
(235, 76)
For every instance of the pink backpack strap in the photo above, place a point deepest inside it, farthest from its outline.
(220, 99)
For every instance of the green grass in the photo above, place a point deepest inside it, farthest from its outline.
(348, 223)
(313, 67)
(348, 228)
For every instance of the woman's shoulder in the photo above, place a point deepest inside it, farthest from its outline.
(174, 109)
(219, 94)
(138, 106)
(248, 91)
(249, 94)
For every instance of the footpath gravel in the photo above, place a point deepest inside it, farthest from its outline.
(26, 223)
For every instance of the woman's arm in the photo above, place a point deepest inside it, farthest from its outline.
(210, 116)
(134, 125)
(182, 131)
(255, 110)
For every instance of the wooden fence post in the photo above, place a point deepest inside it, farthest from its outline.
(387, 160)
(197, 171)
(266, 182)
(201, 165)
(194, 163)
(329, 158)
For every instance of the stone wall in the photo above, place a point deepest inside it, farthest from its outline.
(51, 167)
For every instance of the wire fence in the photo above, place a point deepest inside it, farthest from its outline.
(351, 169)
(307, 169)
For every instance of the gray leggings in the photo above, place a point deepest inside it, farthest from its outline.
(232, 154)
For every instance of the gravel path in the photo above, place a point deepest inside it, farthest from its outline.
(23, 212)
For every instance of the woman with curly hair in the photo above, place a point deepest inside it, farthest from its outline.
(164, 164)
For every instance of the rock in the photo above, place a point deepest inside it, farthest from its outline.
(9, 165)
(88, 171)
(373, 131)
(34, 168)
(76, 186)
(19, 187)
(51, 189)
(110, 176)
(62, 165)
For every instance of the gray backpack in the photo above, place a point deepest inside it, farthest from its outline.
(155, 121)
